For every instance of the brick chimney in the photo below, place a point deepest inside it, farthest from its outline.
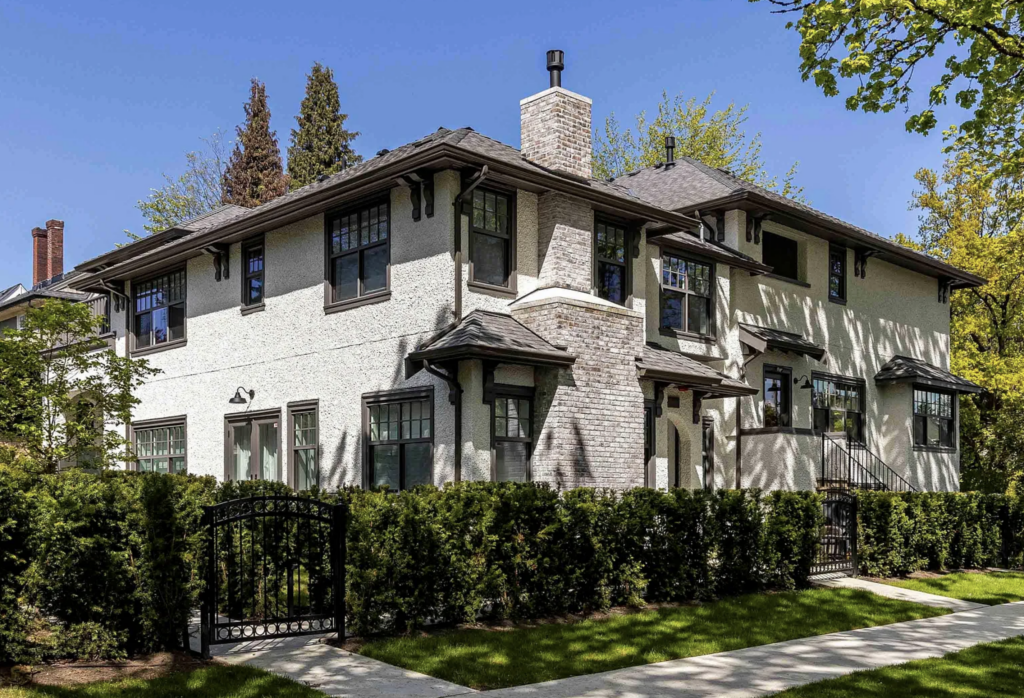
(555, 126)
(40, 256)
(55, 237)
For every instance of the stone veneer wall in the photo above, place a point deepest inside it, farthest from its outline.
(555, 131)
(565, 240)
(590, 416)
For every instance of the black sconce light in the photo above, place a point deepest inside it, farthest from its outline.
(806, 382)
(238, 399)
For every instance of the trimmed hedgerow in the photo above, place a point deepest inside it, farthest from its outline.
(900, 533)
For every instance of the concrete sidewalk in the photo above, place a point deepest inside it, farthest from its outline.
(895, 592)
(758, 671)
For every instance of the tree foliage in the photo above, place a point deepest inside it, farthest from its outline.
(195, 192)
(971, 217)
(881, 43)
(254, 174)
(715, 138)
(320, 145)
(69, 389)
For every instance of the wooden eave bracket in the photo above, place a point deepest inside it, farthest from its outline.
(860, 262)
(221, 260)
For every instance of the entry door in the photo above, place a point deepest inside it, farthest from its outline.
(255, 449)
(707, 453)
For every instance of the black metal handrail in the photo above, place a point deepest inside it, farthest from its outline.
(893, 481)
(854, 466)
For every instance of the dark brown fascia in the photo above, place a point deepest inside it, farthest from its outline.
(714, 386)
(440, 156)
(753, 266)
(815, 225)
(528, 358)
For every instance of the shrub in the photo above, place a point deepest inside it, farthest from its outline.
(14, 557)
(791, 538)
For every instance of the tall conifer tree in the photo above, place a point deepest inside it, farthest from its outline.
(321, 145)
(254, 174)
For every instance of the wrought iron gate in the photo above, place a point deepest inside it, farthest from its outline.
(838, 550)
(275, 568)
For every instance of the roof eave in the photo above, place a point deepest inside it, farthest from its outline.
(510, 356)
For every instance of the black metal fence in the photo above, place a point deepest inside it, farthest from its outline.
(275, 568)
(838, 551)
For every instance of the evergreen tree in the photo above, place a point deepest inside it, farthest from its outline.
(321, 144)
(254, 174)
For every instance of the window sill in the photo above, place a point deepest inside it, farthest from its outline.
(488, 288)
(795, 282)
(800, 431)
(250, 309)
(837, 301)
(341, 306)
(166, 346)
(934, 449)
(688, 336)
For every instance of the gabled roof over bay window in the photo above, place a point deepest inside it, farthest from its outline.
(904, 369)
(666, 366)
(760, 339)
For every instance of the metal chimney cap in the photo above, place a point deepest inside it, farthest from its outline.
(556, 64)
(670, 148)
(670, 141)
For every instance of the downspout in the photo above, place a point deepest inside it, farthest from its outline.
(455, 398)
(459, 198)
(739, 425)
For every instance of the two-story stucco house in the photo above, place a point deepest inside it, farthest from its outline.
(458, 309)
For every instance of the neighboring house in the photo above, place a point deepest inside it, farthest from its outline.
(458, 309)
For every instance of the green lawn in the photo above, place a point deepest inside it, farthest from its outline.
(213, 681)
(989, 588)
(489, 659)
(996, 669)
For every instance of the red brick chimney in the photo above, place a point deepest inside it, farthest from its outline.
(55, 237)
(40, 256)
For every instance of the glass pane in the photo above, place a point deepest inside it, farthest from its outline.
(611, 282)
(305, 468)
(241, 438)
(385, 466)
(143, 443)
(511, 459)
(490, 259)
(176, 322)
(374, 422)
(143, 327)
(697, 319)
(417, 464)
(524, 419)
(837, 420)
(425, 422)
(346, 277)
(159, 325)
(178, 465)
(673, 272)
(375, 269)
(268, 451)
(255, 290)
(478, 208)
(672, 311)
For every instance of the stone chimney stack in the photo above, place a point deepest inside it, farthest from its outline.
(40, 256)
(555, 126)
(55, 239)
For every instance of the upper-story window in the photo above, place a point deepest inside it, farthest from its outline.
(492, 238)
(14, 323)
(160, 309)
(252, 277)
(686, 294)
(358, 252)
(778, 385)
(611, 268)
(934, 419)
(837, 274)
(781, 254)
(838, 406)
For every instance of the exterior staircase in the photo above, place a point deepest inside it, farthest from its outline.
(847, 465)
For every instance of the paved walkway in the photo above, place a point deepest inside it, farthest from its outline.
(894, 592)
(759, 671)
(335, 672)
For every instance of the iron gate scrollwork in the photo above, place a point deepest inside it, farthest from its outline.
(838, 550)
(274, 568)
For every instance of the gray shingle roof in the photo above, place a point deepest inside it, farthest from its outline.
(761, 338)
(489, 335)
(716, 251)
(659, 363)
(689, 183)
(904, 369)
(44, 293)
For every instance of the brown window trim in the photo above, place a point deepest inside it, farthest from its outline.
(513, 240)
(387, 397)
(631, 232)
(786, 373)
(294, 408)
(859, 383)
(130, 329)
(712, 336)
(841, 299)
(331, 305)
(236, 418)
(523, 393)
(248, 245)
(157, 423)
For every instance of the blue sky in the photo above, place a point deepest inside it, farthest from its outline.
(98, 99)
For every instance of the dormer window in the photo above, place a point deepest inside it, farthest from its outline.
(781, 254)
(611, 268)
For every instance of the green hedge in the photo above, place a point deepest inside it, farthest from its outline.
(900, 533)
